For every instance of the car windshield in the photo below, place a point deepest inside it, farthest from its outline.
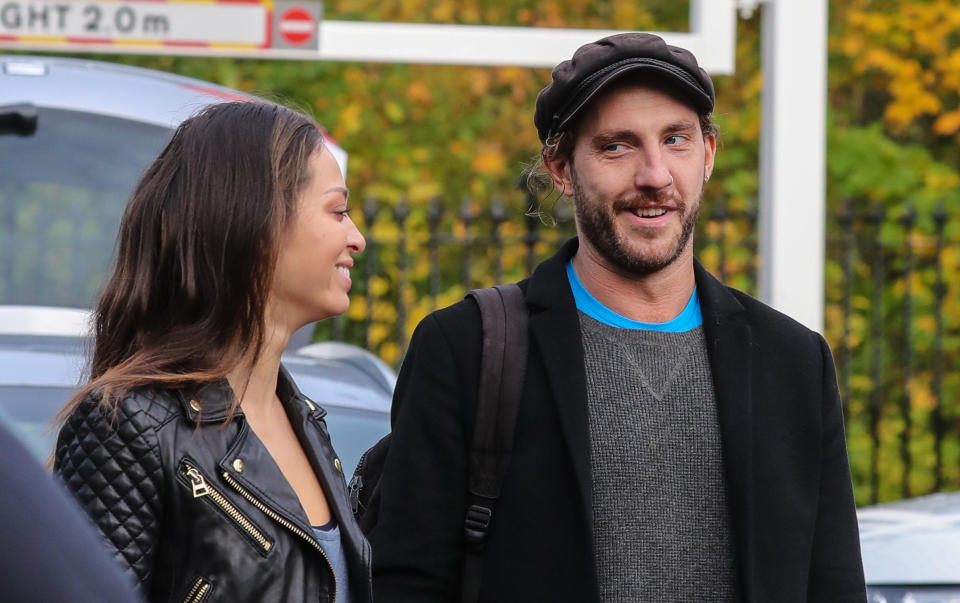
(62, 193)
(29, 410)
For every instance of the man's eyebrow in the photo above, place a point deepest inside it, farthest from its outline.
(680, 126)
(604, 138)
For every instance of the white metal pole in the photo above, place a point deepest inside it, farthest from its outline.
(793, 158)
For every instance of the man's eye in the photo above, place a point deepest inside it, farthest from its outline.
(675, 139)
(614, 147)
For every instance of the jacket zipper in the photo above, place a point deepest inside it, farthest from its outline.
(198, 591)
(202, 488)
(283, 522)
(355, 487)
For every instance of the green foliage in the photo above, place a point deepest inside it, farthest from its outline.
(461, 135)
(866, 163)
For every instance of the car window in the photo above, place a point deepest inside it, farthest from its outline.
(62, 193)
(29, 412)
(352, 431)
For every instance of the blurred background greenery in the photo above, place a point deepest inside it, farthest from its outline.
(458, 137)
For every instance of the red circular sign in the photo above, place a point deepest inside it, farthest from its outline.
(296, 25)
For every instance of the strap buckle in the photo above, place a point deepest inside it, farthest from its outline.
(476, 524)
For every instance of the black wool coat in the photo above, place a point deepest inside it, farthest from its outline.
(788, 479)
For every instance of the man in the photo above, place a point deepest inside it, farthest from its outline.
(677, 440)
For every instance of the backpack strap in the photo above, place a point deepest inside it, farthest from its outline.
(503, 364)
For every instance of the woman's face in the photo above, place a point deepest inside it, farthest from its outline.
(312, 277)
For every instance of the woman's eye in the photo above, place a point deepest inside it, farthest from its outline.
(343, 213)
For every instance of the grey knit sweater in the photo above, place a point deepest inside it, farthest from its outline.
(661, 520)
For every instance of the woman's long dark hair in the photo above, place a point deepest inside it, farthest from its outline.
(196, 251)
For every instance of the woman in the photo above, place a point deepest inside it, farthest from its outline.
(209, 474)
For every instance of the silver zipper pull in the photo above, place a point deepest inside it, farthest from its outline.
(200, 487)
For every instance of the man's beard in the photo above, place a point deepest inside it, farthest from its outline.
(598, 226)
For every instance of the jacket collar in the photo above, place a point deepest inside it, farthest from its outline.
(256, 467)
(210, 402)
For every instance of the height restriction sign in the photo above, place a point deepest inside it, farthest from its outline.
(262, 28)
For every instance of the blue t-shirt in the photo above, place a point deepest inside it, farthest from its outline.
(329, 538)
(690, 318)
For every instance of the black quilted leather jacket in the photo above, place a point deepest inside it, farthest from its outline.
(197, 509)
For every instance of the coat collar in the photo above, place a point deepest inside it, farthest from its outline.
(554, 324)
(729, 345)
(555, 327)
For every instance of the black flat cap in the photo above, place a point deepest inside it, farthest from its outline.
(577, 81)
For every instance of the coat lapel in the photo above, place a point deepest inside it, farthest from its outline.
(555, 327)
(729, 348)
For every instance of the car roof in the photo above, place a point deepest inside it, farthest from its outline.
(52, 353)
(115, 90)
(913, 541)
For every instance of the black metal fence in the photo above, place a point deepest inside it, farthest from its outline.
(892, 318)
(892, 313)
(422, 257)
(891, 310)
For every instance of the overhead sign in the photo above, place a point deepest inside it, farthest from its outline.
(201, 26)
(153, 30)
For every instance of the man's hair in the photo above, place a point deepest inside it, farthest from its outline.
(537, 179)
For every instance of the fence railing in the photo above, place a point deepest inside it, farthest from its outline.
(423, 257)
(892, 318)
(891, 312)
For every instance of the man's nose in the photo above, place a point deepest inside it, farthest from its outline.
(652, 171)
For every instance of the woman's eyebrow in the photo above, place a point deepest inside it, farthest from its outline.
(338, 189)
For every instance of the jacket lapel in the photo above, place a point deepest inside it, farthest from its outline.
(306, 417)
(729, 348)
(555, 327)
(249, 464)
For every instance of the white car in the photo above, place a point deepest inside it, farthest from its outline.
(911, 550)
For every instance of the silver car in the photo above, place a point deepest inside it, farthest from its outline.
(75, 136)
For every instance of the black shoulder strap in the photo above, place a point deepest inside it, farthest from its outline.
(503, 364)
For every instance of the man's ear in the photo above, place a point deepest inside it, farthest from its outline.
(709, 154)
(559, 169)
